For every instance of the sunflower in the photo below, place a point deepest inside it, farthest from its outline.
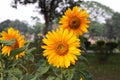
(19, 41)
(75, 20)
(61, 48)
(81, 79)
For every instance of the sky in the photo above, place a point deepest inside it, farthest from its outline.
(113, 4)
(24, 13)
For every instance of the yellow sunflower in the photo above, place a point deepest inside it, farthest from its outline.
(61, 48)
(75, 20)
(13, 34)
(81, 79)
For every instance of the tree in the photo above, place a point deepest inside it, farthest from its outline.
(4, 25)
(47, 8)
(37, 28)
(21, 26)
(97, 29)
(116, 24)
(110, 31)
(113, 26)
(98, 12)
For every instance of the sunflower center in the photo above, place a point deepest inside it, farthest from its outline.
(74, 22)
(61, 49)
(16, 45)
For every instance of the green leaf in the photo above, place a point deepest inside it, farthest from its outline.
(14, 74)
(81, 70)
(68, 73)
(43, 68)
(35, 78)
(50, 78)
(18, 50)
(83, 59)
(86, 75)
(11, 77)
(30, 57)
(30, 50)
(8, 42)
(82, 44)
(26, 77)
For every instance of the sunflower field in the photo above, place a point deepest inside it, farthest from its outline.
(59, 57)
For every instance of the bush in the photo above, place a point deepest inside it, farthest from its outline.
(104, 50)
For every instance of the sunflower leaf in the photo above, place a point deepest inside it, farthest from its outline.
(83, 59)
(8, 42)
(50, 78)
(69, 73)
(43, 68)
(82, 44)
(15, 72)
(30, 50)
(86, 75)
(18, 50)
(29, 54)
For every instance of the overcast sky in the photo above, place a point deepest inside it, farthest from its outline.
(113, 4)
(24, 13)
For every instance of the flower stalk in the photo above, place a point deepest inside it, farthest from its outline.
(2, 70)
(61, 75)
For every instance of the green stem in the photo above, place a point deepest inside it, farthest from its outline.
(2, 70)
(61, 75)
(24, 68)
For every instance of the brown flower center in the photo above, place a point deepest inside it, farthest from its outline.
(16, 45)
(74, 22)
(61, 48)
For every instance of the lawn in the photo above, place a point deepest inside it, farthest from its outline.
(109, 70)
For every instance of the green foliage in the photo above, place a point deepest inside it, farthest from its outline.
(81, 69)
(108, 71)
(103, 49)
(43, 68)
(111, 45)
(119, 45)
(37, 28)
(97, 10)
(87, 44)
(97, 29)
(30, 56)
(9, 66)
(21, 26)
(100, 25)
(113, 26)
(14, 73)
(18, 50)
(7, 42)
(100, 43)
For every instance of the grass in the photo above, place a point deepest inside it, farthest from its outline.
(109, 70)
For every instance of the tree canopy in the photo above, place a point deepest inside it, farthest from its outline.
(98, 12)
(20, 25)
(113, 26)
(97, 29)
